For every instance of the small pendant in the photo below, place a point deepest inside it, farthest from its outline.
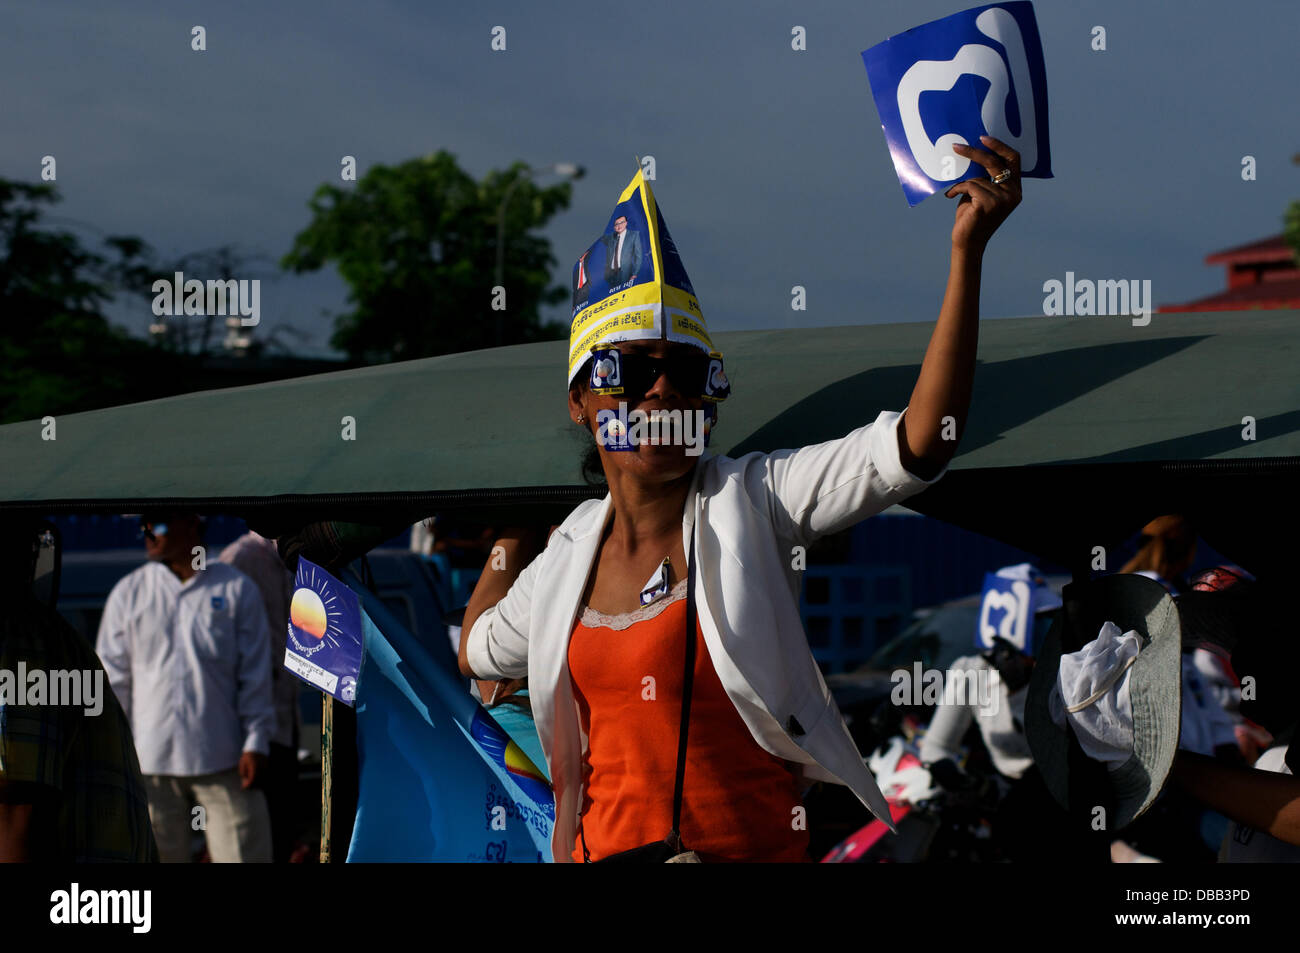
(656, 585)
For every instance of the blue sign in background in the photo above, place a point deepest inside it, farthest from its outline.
(1011, 608)
(977, 72)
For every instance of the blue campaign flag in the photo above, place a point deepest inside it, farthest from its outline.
(323, 642)
(439, 779)
(974, 73)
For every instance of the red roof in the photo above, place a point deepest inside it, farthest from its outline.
(1266, 294)
(1267, 249)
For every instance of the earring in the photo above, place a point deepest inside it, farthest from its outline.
(582, 419)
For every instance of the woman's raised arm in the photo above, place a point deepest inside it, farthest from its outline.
(943, 388)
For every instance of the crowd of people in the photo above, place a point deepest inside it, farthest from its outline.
(649, 652)
(1231, 636)
(196, 752)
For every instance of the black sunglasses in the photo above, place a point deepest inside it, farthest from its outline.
(688, 373)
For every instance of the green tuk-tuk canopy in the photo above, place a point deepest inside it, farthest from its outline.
(1079, 427)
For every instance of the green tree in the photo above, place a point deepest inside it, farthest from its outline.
(416, 243)
(58, 352)
(201, 334)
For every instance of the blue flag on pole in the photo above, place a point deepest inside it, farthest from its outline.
(439, 778)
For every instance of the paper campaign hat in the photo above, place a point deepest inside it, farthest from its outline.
(630, 284)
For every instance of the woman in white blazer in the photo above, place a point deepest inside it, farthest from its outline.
(743, 516)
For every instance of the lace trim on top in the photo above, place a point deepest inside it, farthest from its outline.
(593, 619)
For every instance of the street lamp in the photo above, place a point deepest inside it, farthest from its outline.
(568, 170)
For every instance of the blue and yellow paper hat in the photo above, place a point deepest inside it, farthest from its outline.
(630, 285)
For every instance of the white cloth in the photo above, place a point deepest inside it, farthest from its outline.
(190, 664)
(745, 516)
(258, 559)
(1205, 725)
(1001, 723)
(1095, 681)
(237, 821)
(422, 538)
(1243, 844)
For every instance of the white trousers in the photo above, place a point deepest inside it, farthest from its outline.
(235, 821)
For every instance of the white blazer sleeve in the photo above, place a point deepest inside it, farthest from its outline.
(498, 643)
(826, 487)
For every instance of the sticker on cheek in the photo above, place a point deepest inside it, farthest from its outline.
(612, 431)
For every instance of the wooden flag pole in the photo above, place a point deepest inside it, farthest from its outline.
(326, 774)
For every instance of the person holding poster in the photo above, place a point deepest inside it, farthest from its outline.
(677, 701)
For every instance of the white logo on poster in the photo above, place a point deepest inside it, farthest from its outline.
(1014, 606)
(717, 379)
(348, 688)
(977, 60)
(607, 373)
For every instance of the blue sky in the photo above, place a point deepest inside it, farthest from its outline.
(772, 169)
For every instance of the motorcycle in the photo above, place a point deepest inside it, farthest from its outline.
(940, 823)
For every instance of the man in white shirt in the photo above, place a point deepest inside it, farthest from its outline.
(187, 651)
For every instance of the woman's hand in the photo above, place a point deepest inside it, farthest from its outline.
(983, 205)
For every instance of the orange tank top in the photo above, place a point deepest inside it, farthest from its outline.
(739, 802)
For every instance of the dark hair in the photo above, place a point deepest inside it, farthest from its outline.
(593, 472)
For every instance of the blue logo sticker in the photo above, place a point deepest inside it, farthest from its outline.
(977, 72)
(606, 371)
(219, 603)
(612, 430)
(716, 385)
